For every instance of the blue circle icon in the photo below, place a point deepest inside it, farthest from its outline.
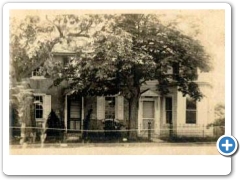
(227, 145)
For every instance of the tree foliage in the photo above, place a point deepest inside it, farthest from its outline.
(118, 51)
(33, 39)
(219, 122)
(129, 50)
(219, 115)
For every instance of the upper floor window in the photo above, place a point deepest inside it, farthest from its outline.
(173, 70)
(38, 72)
(191, 111)
(65, 61)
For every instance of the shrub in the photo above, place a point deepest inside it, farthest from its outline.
(55, 127)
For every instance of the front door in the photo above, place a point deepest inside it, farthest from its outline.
(74, 114)
(148, 114)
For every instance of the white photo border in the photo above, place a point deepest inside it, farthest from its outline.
(123, 164)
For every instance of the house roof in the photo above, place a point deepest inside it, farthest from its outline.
(69, 48)
(62, 49)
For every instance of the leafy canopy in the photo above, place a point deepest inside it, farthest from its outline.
(112, 53)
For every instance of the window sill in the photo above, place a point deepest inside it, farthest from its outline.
(167, 124)
(37, 77)
(39, 119)
(191, 124)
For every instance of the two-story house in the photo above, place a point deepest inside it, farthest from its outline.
(172, 114)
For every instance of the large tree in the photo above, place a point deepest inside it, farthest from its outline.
(131, 49)
(120, 53)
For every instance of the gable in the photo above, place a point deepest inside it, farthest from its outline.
(150, 93)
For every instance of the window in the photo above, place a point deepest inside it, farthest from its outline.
(109, 107)
(168, 109)
(38, 101)
(38, 72)
(65, 61)
(191, 111)
(173, 70)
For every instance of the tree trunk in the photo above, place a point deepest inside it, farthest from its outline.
(133, 117)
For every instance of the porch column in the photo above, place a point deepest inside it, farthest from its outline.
(82, 113)
(65, 113)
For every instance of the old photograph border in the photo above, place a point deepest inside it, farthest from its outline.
(79, 165)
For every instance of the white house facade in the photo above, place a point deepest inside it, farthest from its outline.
(168, 115)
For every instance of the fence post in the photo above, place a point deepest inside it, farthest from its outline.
(170, 130)
(65, 136)
(149, 130)
(23, 133)
(43, 134)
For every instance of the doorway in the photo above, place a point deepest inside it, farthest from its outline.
(74, 120)
(148, 114)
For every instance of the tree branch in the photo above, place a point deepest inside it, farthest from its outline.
(144, 91)
(57, 27)
(79, 34)
(83, 29)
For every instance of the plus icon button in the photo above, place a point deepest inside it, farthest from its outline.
(227, 145)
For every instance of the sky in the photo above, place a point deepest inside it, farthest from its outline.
(210, 25)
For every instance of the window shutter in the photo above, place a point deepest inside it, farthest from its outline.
(100, 108)
(119, 107)
(46, 106)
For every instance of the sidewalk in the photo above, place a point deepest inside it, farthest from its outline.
(151, 148)
(154, 142)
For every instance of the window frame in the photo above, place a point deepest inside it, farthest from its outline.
(113, 108)
(38, 102)
(37, 76)
(190, 110)
(171, 110)
(65, 61)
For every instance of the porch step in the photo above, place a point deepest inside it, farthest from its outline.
(157, 140)
(73, 136)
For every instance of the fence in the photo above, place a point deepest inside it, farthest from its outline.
(56, 135)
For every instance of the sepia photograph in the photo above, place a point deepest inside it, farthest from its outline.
(116, 82)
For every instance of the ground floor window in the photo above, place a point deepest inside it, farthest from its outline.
(168, 109)
(38, 101)
(191, 111)
(109, 107)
